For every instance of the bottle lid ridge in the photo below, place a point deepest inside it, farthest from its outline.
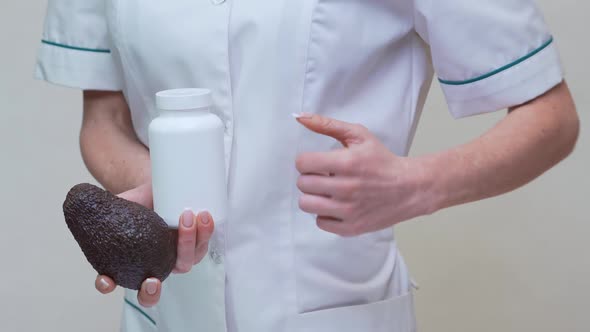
(183, 99)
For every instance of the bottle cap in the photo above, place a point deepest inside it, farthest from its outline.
(183, 99)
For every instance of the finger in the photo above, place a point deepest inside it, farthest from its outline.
(200, 253)
(346, 133)
(323, 206)
(336, 226)
(316, 185)
(205, 229)
(149, 294)
(104, 284)
(335, 187)
(187, 239)
(330, 162)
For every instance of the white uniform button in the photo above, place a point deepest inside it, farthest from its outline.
(216, 257)
(217, 2)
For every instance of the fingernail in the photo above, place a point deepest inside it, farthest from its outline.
(302, 115)
(151, 286)
(187, 218)
(103, 284)
(205, 219)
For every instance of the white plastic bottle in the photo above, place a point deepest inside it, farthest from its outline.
(187, 156)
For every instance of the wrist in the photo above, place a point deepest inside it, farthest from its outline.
(146, 197)
(431, 183)
(141, 194)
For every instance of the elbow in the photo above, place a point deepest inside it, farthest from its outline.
(562, 123)
(85, 144)
(569, 131)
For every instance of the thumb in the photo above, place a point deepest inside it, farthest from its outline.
(346, 133)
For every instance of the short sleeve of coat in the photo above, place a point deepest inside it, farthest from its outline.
(488, 54)
(75, 47)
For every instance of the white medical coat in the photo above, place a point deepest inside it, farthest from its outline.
(371, 62)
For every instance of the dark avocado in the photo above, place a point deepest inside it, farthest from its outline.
(121, 239)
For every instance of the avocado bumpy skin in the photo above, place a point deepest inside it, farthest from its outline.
(121, 239)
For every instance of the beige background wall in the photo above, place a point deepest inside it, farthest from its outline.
(520, 262)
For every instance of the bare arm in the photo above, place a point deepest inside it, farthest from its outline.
(111, 150)
(369, 188)
(531, 139)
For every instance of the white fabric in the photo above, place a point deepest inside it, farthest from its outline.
(79, 69)
(368, 62)
(520, 83)
(78, 24)
(470, 39)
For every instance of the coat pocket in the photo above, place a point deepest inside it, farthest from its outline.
(391, 315)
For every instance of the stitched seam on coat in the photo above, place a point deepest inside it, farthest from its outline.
(313, 13)
(138, 309)
(501, 69)
(75, 48)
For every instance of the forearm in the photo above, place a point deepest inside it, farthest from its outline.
(527, 142)
(111, 151)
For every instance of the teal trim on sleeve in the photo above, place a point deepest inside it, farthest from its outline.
(501, 69)
(69, 47)
(141, 311)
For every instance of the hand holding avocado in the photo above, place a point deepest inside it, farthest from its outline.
(141, 250)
